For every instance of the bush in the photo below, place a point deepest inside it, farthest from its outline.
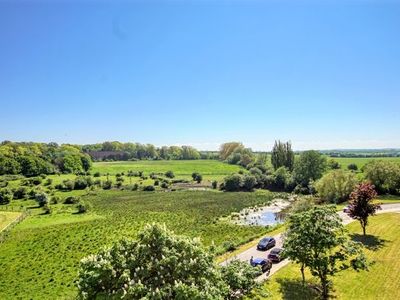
(214, 184)
(6, 195)
(68, 185)
(36, 180)
(156, 182)
(55, 200)
(384, 175)
(97, 174)
(333, 164)
(229, 246)
(149, 188)
(336, 186)
(47, 210)
(20, 193)
(82, 182)
(107, 185)
(352, 167)
(169, 174)
(233, 183)
(135, 187)
(82, 207)
(71, 200)
(249, 182)
(164, 185)
(42, 199)
(49, 181)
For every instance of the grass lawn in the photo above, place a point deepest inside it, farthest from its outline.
(210, 169)
(6, 218)
(39, 260)
(380, 282)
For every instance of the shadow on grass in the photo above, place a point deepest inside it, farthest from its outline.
(295, 290)
(371, 242)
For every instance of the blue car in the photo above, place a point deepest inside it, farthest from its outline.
(264, 263)
(266, 243)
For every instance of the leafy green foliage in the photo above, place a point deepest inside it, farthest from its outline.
(336, 186)
(6, 195)
(282, 155)
(309, 166)
(158, 265)
(317, 240)
(384, 175)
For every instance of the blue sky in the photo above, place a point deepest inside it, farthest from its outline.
(323, 74)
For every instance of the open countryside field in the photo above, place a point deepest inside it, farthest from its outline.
(210, 169)
(6, 218)
(40, 258)
(361, 161)
(380, 282)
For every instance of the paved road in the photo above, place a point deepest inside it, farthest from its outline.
(247, 254)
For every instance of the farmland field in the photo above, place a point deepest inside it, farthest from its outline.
(382, 279)
(361, 161)
(39, 260)
(6, 218)
(210, 169)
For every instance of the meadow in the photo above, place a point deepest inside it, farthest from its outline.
(210, 169)
(382, 247)
(360, 161)
(41, 256)
(6, 218)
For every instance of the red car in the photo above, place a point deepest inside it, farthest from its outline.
(275, 255)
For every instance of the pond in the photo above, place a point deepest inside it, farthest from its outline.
(262, 216)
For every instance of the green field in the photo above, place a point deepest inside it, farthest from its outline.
(380, 282)
(6, 218)
(39, 260)
(210, 169)
(360, 162)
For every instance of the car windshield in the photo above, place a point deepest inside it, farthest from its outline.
(265, 240)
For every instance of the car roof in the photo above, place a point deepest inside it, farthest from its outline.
(266, 239)
(258, 260)
(276, 250)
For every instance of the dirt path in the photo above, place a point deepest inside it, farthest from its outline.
(247, 254)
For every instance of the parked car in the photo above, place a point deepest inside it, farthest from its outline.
(266, 243)
(275, 255)
(346, 209)
(264, 263)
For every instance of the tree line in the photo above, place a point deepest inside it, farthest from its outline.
(33, 159)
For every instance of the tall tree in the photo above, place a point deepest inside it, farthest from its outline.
(316, 238)
(310, 166)
(227, 149)
(361, 206)
(282, 155)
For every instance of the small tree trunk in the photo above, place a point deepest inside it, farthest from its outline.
(325, 290)
(302, 273)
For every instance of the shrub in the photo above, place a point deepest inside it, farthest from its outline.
(164, 185)
(42, 199)
(97, 174)
(6, 195)
(68, 185)
(47, 210)
(55, 200)
(336, 186)
(229, 246)
(249, 182)
(107, 185)
(233, 183)
(169, 174)
(71, 200)
(36, 180)
(333, 164)
(156, 182)
(135, 187)
(214, 184)
(82, 207)
(82, 182)
(20, 193)
(384, 175)
(149, 188)
(352, 167)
